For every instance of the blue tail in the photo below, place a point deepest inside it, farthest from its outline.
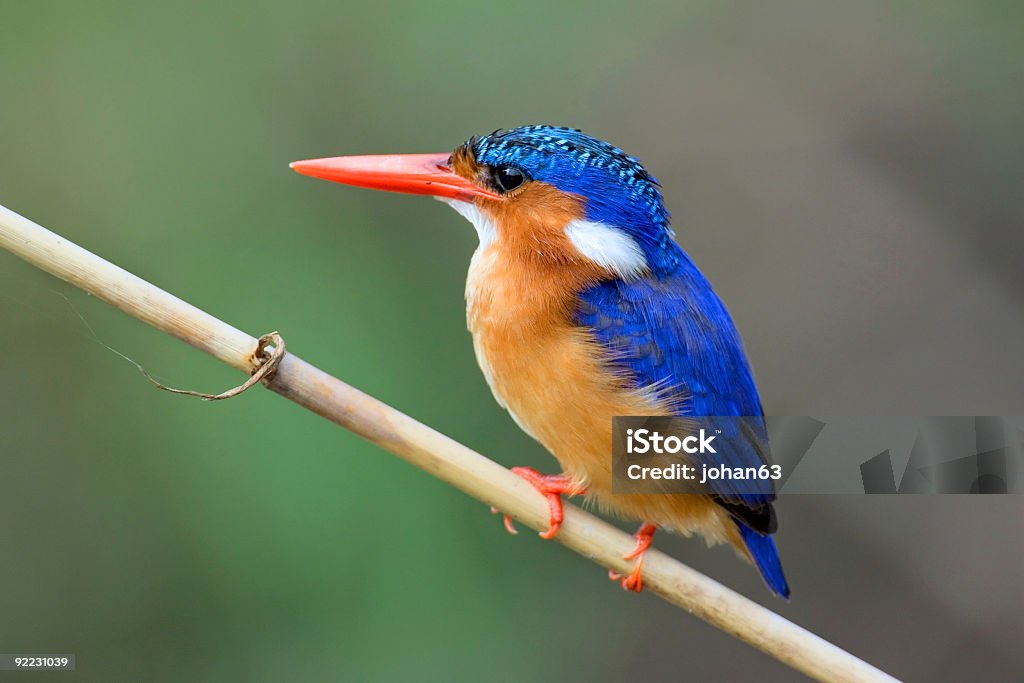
(766, 557)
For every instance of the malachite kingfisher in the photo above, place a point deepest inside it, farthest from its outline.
(583, 307)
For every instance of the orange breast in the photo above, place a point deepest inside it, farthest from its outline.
(558, 384)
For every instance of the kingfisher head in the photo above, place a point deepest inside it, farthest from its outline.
(541, 192)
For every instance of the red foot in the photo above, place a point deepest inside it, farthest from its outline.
(552, 487)
(634, 582)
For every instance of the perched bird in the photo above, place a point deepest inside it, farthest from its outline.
(583, 307)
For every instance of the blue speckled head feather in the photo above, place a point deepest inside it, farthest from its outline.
(617, 188)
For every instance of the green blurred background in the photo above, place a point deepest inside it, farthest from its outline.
(848, 174)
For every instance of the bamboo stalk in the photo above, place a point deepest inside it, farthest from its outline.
(434, 452)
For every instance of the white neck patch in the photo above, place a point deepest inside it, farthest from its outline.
(486, 230)
(605, 245)
(608, 247)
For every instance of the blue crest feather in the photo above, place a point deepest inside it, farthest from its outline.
(618, 189)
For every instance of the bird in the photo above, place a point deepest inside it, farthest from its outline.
(582, 306)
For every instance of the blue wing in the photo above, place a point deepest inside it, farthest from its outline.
(673, 331)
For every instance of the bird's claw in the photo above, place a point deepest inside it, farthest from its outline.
(552, 487)
(634, 580)
(509, 526)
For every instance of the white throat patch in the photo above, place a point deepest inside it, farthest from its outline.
(486, 230)
(608, 247)
(604, 244)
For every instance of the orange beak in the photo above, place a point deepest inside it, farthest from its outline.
(410, 173)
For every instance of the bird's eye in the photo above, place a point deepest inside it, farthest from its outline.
(508, 178)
